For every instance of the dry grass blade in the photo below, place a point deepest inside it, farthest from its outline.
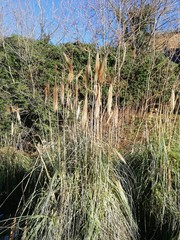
(62, 93)
(55, 97)
(116, 114)
(85, 113)
(70, 67)
(57, 216)
(109, 102)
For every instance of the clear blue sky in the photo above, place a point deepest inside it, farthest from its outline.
(65, 20)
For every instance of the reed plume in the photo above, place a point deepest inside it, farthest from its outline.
(109, 102)
(172, 100)
(78, 111)
(101, 71)
(70, 68)
(55, 97)
(116, 114)
(62, 93)
(85, 113)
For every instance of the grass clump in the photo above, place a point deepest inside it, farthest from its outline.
(156, 169)
(84, 198)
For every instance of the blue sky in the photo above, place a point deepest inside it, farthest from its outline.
(65, 20)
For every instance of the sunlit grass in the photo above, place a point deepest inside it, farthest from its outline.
(84, 198)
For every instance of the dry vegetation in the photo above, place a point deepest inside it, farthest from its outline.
(169, 40)
(89, 148)
(82, 167)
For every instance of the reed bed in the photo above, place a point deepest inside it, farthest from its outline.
(83, 197)
(82, 194)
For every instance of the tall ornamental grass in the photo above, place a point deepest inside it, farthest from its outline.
(83, 197)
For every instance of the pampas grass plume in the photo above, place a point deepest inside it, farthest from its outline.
(109, 102)
(172, 100)
(70, 67)
(116, 114)
(55, 97)
(62, 93)
(85, 113)
(101, 72)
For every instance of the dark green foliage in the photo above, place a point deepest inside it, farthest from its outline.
(148, 77)
(79, 53)
(27, 65)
